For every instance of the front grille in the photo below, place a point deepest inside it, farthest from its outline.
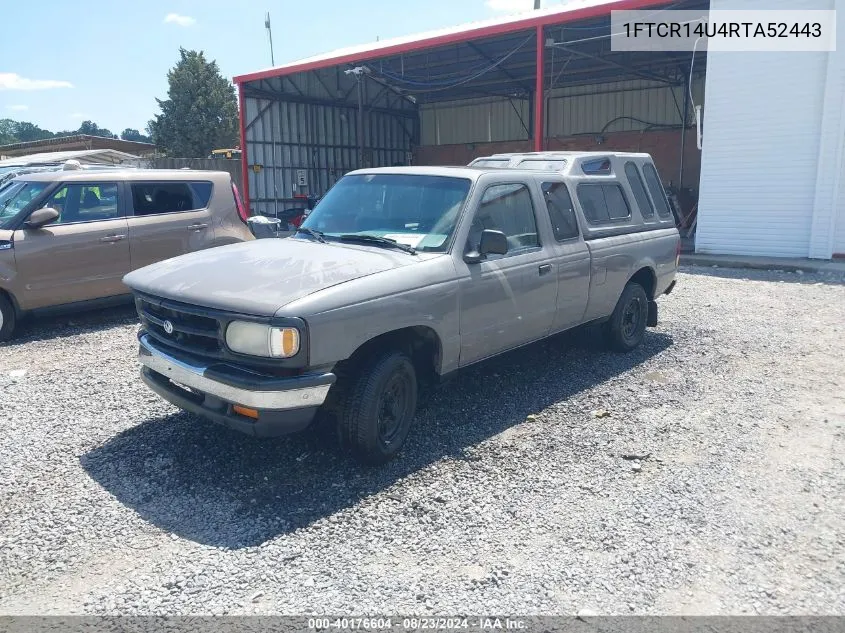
(192, 331)
(200, 331)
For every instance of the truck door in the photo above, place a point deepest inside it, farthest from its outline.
(572, 257)
(506, 300)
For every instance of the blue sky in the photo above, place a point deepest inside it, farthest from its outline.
(107, 61)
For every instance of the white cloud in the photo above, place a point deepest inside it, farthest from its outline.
(78, 116)
(181, 20)
(13, 81)
(18, 108)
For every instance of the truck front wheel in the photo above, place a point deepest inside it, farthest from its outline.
(377, 415)
(626, 327)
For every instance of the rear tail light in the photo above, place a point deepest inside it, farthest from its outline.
(242, 213)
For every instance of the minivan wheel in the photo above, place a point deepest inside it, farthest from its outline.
(7, 318)
(627, 324)
(382, 402)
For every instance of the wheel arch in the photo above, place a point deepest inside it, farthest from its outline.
(13, 300)
(420, 342)
(646, 277)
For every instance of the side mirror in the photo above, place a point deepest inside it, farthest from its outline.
(263, 227)
(41, 217)
(492, 243)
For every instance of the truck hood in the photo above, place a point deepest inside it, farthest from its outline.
(261, 276)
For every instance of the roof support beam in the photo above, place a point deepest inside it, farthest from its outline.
(516, 80)
(643, 74)
(278, 96)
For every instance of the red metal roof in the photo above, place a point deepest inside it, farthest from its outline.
(570, 12)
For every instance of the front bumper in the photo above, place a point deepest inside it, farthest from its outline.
(211, 388)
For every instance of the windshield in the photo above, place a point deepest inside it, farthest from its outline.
(420, 211)
(15, 196)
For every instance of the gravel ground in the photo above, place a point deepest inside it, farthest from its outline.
(714, 484)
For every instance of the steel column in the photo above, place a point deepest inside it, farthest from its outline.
(539, 128)
(684, 133)
(244, 152)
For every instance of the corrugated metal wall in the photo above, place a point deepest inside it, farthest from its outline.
(286, 139)
(476, 120)
(577, 110)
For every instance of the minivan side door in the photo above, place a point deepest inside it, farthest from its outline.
(505, 300)
(167, 219)
(82, 255)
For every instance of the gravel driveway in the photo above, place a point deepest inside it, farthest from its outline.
(713, 484)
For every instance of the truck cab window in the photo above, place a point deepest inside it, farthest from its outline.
(561, 210)
(506, 208)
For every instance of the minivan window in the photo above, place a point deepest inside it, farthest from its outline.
(15, 196)
(603, 203)
(561, 210)
(85, 202)
(637, 187)
(202, 193)
(150, 198)
(652, 180)
(506, 208)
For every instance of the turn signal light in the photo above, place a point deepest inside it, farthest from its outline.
(284, 342)
(245, 411)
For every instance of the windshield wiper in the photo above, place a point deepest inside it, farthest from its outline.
(317, 235)
(375, 239)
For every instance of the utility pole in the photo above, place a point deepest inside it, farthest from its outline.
(358, 72)
(270, 36)
(536, 4)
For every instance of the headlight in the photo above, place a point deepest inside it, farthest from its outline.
(257, 339)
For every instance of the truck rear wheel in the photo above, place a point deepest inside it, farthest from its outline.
(626, 327)
(377, 415)
(7, 318)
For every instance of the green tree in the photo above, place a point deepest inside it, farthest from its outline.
(25, 131)
(92, 129)
(7, 131)
(201, 111)
(131, 134)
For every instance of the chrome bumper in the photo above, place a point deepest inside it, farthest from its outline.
(292, 393)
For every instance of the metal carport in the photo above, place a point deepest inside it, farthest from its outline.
(304, 124)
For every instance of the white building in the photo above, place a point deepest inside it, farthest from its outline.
(772, 170)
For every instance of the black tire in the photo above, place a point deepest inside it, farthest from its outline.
(381, 403)
(7, 318)
(626, 327)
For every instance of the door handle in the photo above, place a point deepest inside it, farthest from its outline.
(197, 227)
(545, 269)
(112, 238)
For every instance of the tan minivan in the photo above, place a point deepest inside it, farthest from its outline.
(68, 237)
